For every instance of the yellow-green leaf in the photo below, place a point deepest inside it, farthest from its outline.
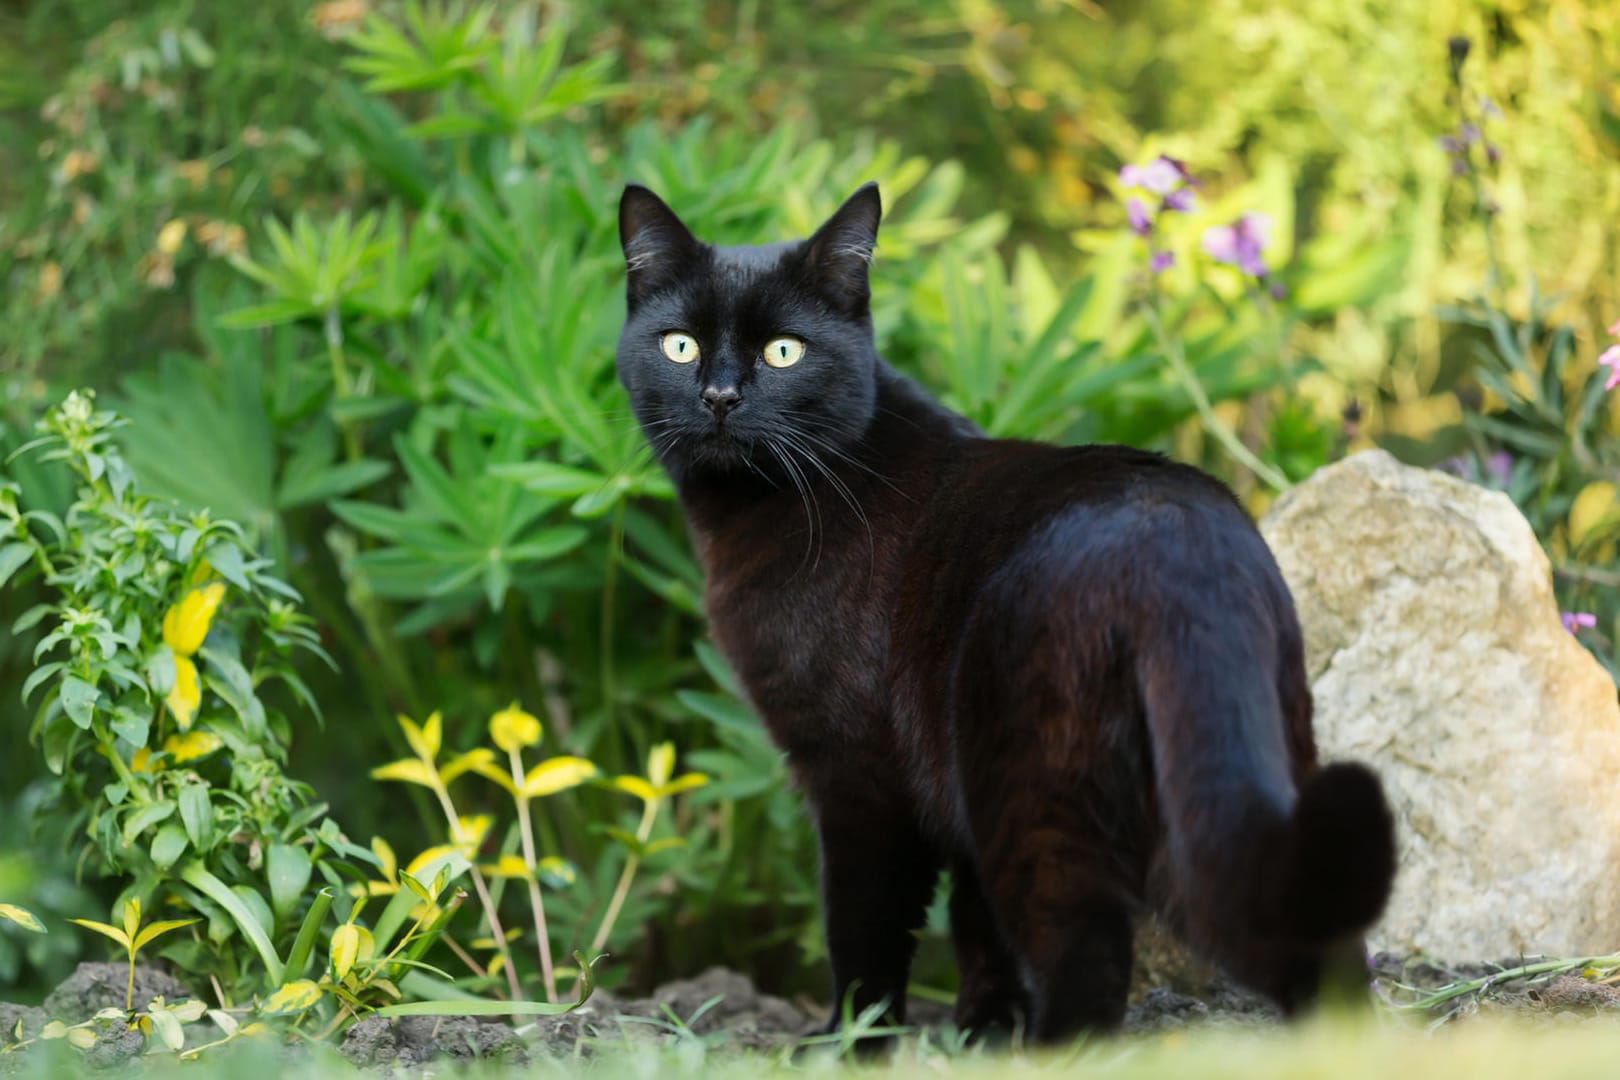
(345, 949)
(385, 855)
(22, 917)
(167, 1026)
(1594, 505)
(155, 930)
(661, 763)
(508, 866)
(81, 1038)
(556, 774)
(559, 868)
(191, 746)
(190, 1012)
(292, 998)
(424, 739)
(684, 782)
(474, 760)
(492, 771)
(636, 786)
(186, 694)
(470, 831)
(132, 917)
(407, 770)
(102, 928)
(512, 729)
(186, 624)
(53, 1029)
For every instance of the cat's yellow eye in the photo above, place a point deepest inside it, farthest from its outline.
(783, 351)
(679, 347)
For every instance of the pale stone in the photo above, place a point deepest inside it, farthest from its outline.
(1436, 655)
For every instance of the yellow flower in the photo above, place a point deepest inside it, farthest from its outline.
(513, 729)
(191, 746)
(186, 624)
(171, 236)
(140, 762)
(186, 694)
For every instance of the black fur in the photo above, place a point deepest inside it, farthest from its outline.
(1073, 676)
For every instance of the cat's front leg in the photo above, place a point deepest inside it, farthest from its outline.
(877, 877)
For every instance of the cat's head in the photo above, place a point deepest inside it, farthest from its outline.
(736, 357)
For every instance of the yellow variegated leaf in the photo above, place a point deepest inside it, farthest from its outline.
(559, 868)
(424, 739)
(186, 694)
(512, 729)
(661, 763)
(636, 786)
(190, 1012)
(345, 949)
(508, 866)
(81, 1038)
(102, 928)
(474, 760)
(186, 624)
(132, 917)
(408, 770)
(1593, 506)
(385, 855)
(293, 997)
(191, 746)
(556, 774)
(684, 782)
(53, 1029)
(494, 772)
(664, 844)
(470, 831)
(168, 1029)
(158, 929)
(22, 917)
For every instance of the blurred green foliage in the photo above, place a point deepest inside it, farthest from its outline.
(351, 269)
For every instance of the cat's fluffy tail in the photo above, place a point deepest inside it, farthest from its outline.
(1256, 865)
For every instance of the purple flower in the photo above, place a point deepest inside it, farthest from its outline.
(1492, 154)
(1500, 467)
(1279, 291)
(1130, 176)
(1162, 261)
(1240, 243)
(1141, 218)
(1450, 144)
(1181, 200)
(1614, 328)
(1470, 134)
(1611, 360)
(1161, 176)
(1488, 109)
(1575, 621)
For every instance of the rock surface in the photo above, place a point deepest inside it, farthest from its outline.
(1436, 655)
(96, 986)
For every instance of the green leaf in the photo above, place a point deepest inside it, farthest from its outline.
(197, 814)
(288, 868)
(168, 845)
(587, 984)
(198, 877)
(78, 700)
(13, 557)
(144, 818)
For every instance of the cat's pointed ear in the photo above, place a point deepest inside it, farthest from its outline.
(656, 244)
(841, 250)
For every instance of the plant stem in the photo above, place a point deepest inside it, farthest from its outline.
(610, 584)
(482, 889)
(1171, 346)
(536, 902)
(341, 387)
(622, 889)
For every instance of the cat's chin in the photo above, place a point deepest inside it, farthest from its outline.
(717, 452)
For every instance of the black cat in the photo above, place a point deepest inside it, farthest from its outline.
(1072, 676)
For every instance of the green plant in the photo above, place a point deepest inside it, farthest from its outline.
(164, 633)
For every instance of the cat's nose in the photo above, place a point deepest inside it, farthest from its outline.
(721, 400)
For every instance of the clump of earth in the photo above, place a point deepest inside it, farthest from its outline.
(725, 1009)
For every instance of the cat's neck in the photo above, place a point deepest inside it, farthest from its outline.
(897, 461)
